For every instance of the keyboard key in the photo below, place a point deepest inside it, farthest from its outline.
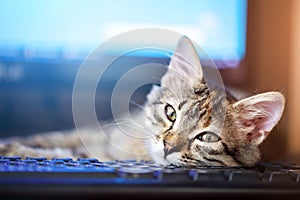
(91, 160)
(193, 174)
(12, 158)
(62, 159)
(39, 159)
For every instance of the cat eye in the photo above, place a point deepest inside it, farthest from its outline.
(170, 113)
(208, 137)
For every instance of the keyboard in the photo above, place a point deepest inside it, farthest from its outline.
(38, 178)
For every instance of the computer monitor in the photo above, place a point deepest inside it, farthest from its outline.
(71, 29)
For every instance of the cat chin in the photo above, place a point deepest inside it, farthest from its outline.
(174, 159)
(158, 158)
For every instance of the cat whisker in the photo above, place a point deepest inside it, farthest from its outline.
(156, 78)
(136, 104)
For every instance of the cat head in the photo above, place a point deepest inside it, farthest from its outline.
(183, 118)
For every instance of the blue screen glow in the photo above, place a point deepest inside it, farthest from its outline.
(75, 26)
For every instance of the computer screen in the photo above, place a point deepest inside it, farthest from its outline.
(72, 28)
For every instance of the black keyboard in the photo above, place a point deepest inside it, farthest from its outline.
(88, 177)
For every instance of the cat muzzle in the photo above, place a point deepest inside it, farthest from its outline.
(169, 148)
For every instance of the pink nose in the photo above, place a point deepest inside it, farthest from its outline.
(168, 148)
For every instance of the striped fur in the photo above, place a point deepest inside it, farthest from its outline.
(199, 108)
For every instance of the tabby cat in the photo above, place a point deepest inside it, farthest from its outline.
(187, 122)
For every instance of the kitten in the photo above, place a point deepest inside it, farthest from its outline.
(188, 123)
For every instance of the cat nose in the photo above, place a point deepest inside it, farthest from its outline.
(168, 148)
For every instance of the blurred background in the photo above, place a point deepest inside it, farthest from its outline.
(254, 43)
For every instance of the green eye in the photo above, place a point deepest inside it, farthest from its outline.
(170, 113)
(208, 137)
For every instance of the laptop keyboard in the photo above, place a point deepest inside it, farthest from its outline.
(276, 177)
(131, 169)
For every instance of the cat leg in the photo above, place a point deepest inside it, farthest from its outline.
(17, 149)
(52, 144)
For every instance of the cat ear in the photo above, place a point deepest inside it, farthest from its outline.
(260, 113)
(185, 61)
